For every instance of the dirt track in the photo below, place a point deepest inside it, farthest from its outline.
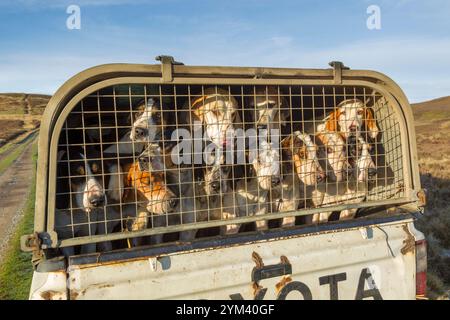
(14, 188)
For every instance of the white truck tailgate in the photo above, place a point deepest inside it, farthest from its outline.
(363, 262)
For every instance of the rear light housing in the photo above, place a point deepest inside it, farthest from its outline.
(421, 268)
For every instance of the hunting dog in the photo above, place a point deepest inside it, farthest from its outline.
(351, 117)
(218, 111)
(301, 172)
(333, 155)
(364, 171)
(148, 124)
(269, 108)
(351, 187)
(213, 187)
(251, 196)
(80, 197)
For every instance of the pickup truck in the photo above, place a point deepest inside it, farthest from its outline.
(376, 254)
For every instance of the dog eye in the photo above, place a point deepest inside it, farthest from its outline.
(329, 150)
(360, 112)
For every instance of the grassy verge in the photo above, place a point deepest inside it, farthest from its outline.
(16, 271)
(9, 159)
(6, 147)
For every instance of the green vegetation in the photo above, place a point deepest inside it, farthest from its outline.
(9, 159)
(6, 147)
(16, 271)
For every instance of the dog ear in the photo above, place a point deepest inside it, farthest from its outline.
(332, 121)
(371, 124)
(198, 108)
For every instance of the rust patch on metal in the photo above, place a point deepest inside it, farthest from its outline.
(50, 295)
(284, 281)
(409, 242)
(422, 195)
(256, 288)
(257, 259)
(74, 294)
(106, 285)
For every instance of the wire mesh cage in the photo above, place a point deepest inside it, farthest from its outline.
(207, 160)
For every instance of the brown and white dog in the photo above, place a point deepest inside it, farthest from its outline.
(269, 108)
(364, 171)
(131, 199)
(353, 186)
(351, 117)
(333, 154)
(218, 111)
(251, 196)
(301, 172)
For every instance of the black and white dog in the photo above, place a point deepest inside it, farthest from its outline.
(80, 197)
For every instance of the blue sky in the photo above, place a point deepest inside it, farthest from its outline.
(38, 53)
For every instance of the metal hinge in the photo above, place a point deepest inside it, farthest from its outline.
(422, 199)
(167, 63)
(338, 66)
(32, 243)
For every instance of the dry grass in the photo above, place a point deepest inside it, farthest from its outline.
(10, 129)
(433, 143)
(17, 104)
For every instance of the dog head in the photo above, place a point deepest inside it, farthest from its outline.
(215, 173)
(217, 110)
(268, 107)
(151, 159)
(148, 121)
(333, 154)
(151, 188)
(266, 164)
(352, 117)
(359, 153)
(299, 149)
(85, 178)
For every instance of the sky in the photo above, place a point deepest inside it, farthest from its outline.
(38, 53)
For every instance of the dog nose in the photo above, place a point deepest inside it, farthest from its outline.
(215, 185)
(275, 181)
(97, 201)
(321, 176)
(372, 172)
(140, 132)
(173, 203)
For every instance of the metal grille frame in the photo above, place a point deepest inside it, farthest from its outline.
(390, 99)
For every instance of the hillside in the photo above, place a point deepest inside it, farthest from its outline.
(18, 103)
(14, 110)
(433, 145)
